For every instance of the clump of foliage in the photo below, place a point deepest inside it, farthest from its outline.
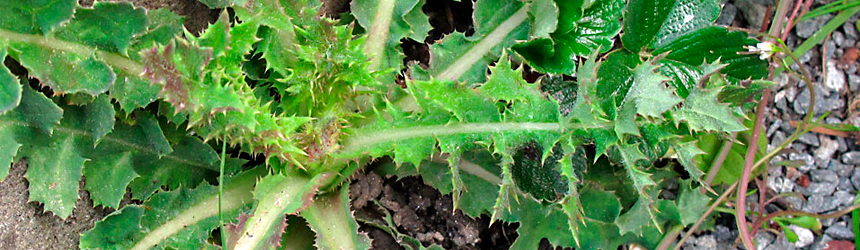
(138, 102)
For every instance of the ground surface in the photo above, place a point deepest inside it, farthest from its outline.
(826, 182)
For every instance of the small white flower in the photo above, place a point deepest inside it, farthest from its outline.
(765, 49)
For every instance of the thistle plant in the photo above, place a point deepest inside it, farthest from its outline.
(139, 103)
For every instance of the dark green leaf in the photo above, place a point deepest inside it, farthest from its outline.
(66, 73)
(712, 43)
(654, 23)
(581, 30)
(39, 111)
(615, 78)
(107, 177)
(31, 17)
(10, 89)
(101, 27)
(54, 172)
(100, 120)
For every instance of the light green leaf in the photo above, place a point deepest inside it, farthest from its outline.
(387, 22)
(649, 92)
(625, 122)
(65, 73)
(691, 203)
(32, 17)
(10, 89)
(53, 173)
(544, 18)
(702, 112)
(330, 217)
(107, 177)
(276, 195)
(101, 27)
(686, 152)
(654, 23)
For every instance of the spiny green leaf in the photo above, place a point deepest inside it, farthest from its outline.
(641, 179)
(654, 23)
(178, 219)
(635, 219)
(53, 173)
(329, 216)
(581, 30)
(625, 122)
(649, 92)
(65, 73)
(107, 178)
(686, 152)
(31, 17)
(162, 27)
(702, 112)
(10, 89)
(101, 118)
(187, 166)
(101, 28)
(498, 24)
(538, 222)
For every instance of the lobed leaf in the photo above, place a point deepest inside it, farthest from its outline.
(702, 112)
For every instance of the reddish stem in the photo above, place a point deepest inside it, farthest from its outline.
(749, 160)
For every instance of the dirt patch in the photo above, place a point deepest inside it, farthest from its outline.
(24, 225)
(422, 213)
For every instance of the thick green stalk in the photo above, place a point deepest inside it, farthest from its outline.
(236, 194)
(360, 141)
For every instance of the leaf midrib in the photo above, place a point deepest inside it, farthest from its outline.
(109, 137)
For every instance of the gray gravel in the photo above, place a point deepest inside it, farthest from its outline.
(827, 162)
